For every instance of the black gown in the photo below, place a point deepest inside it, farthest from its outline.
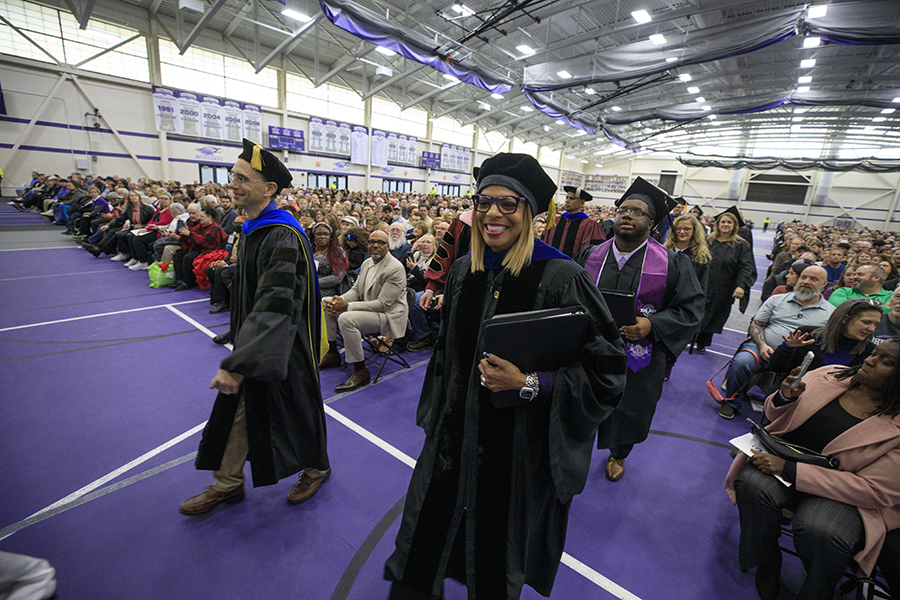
(732, 266)
(489, 498)
(274, 307)
(673, 327)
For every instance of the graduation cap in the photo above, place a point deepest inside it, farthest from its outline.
(267, 164)
(579, 193)
(521, 173)
(734, 212)
(657, 199)
(698, 209)
(680, 200)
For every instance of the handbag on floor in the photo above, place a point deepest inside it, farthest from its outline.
(161, 274)
(714, 389)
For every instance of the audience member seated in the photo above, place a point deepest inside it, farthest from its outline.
(376, 304)
(440, 228)
(205, 238)
(80, 208)
(169, 241)
(142, 239)
(869, 280)
(221, 272)
(348, 222)
(834, 265)
(99, 206)
(841, 516)
(331, 261)
(356, 244)
(889, 326)
(417, 262)
(789, 278)
(846, 339)
(113, 234)
(777, 317)
(229, 214)
(399, 247)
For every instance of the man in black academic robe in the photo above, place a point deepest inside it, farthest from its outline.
(670, 328)
(269, 406)
(574, 230)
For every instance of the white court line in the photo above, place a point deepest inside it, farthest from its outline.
(47, 248)
(208, 332)
(720, 353)
(118, 312)
(123, 469)
(735, 330)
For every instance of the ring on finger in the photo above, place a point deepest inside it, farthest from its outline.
(483, 382)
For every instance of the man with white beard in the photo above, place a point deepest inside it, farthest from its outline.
(775, 320)
(398, 245)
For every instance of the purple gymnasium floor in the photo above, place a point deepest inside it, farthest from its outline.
(101, 419)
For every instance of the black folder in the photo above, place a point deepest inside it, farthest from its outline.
(540, 340)
(621, 305)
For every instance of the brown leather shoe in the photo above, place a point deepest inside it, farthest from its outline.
(208, 500)
(331, 360)
(355, 381)
(306, 488)
(615, 468)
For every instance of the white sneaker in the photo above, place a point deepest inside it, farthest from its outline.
(131, 263)
(119, 257)
(140, 267)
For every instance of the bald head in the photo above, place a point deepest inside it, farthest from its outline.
(378, 245)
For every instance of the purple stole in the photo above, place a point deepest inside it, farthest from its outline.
(649, 297)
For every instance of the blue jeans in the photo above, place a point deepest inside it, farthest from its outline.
(741, 369)
(418, 320)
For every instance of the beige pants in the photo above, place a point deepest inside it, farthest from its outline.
(230, 473)
(354, 325)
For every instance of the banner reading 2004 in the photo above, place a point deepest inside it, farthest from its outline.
(199, 115)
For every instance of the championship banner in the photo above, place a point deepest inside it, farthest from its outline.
(359, 144)
(379, 153)
(456, 158)
(197, 115)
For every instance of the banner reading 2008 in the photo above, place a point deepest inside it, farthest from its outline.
(197, 115)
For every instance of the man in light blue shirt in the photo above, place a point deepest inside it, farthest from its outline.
(777, 317)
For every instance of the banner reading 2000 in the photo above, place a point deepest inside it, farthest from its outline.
(205, 116)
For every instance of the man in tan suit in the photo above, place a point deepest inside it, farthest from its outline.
(375, 304)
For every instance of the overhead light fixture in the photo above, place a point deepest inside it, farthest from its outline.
(796, 119)
(462, 9)
(641, 16)
(570, 156)
(685, 77)
(707, 107)
(888, 111)
(484, 106)
(564, 74)
(547, 128)
(297, 16)
(648, 130)
(700, 99)
(809, 63)
(599, 166)
(715, 122)
(671, 59)
(693, 90)
(450, 77)
(385, 51)
(811, 42)
(711, 117)
(584, 160)
(617, 108)
(497, 96)
(526, 108)
(878, 119)
(869, 128)
(560, 122)
(800, 111)
(818, 11)
(803, 89)
(525, 49)
(590, 91)
(658, 39)
(804, 79)
(896, 100)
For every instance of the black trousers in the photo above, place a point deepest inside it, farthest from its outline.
(109, 240)
(827, 533)
(123, 241)
(139, 245)
(184, 266)
(219, 283)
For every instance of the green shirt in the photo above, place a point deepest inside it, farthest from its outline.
(840, 295)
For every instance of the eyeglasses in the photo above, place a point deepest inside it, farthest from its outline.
(377, 243)
(684, 229)
(635, 213)
(241, 179)
(507, 205)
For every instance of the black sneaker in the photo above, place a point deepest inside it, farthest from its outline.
(426, 343)
(727, 411)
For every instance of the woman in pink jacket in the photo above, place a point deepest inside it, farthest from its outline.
(850, 413)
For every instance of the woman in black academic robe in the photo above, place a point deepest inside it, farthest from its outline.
(732, 272)
(489, 498)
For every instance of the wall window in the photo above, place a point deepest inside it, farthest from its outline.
(492, 142)
(447, 189)
(387, 115)
(324, 180)
(40, 23)
(550, 157)
(328, 101)
(396, 185)
(782, 189)
(447, 130)
(521, 147)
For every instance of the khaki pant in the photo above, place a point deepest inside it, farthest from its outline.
(354, 325)
(230, 473)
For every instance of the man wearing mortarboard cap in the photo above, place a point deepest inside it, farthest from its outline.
(668, 307)
(269, 405)
(574, 230)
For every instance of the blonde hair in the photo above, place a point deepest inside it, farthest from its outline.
(734, 238)
(518, 257)
(699, 250)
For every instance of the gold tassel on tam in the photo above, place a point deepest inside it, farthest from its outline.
(256, 162)
(551, 213)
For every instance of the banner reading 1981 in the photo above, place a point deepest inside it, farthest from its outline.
(205, 116)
